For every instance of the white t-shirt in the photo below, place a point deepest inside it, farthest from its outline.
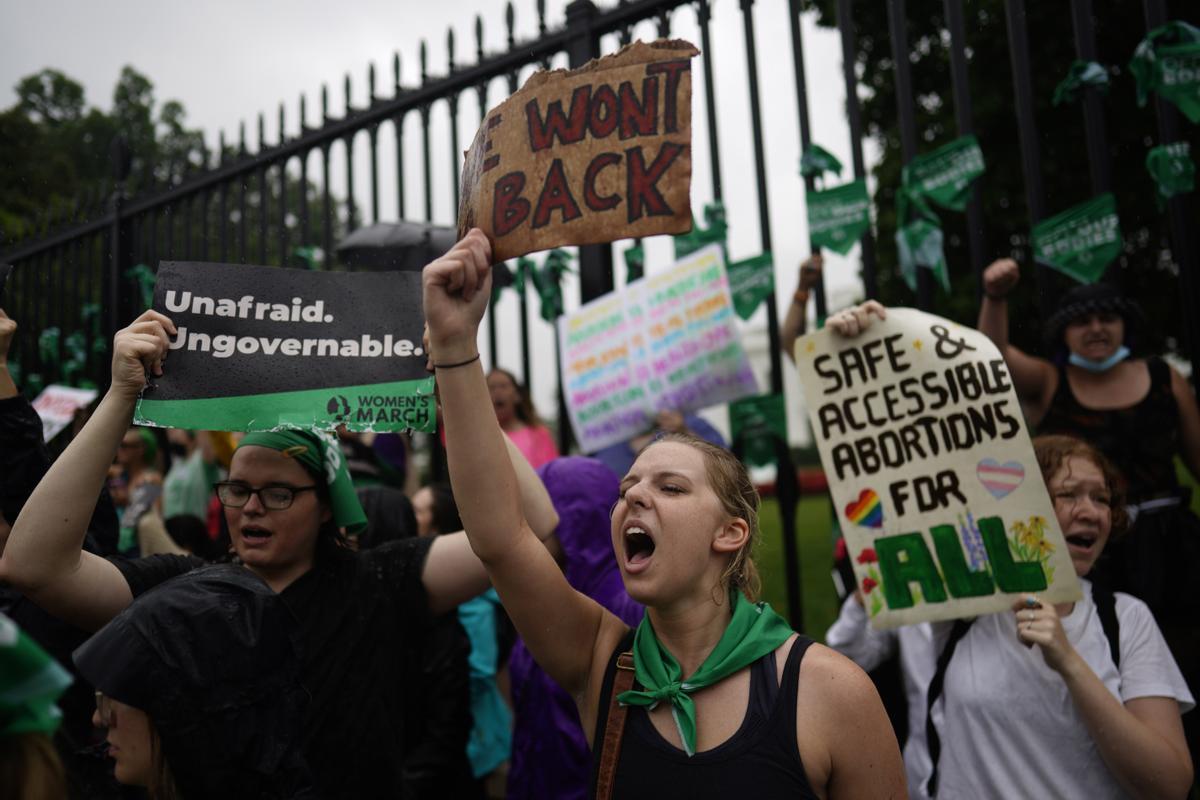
(853, 637)
(1010, 727)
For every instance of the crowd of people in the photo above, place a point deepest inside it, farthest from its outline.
(292, 614)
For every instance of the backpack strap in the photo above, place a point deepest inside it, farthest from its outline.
(1106, 609)
(614, 727)
(961, 626)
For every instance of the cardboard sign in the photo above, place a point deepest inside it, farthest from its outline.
(666, 342)
(57, 406)
(931, 470)
(586, 156)
(265, 348)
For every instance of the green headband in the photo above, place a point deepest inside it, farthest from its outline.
(30, 682)
(149, 446)
(320, 454)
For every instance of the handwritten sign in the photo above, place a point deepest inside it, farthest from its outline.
(586, 156)
(57, 406)
(668, 341)
(931, 470)
(264, 348)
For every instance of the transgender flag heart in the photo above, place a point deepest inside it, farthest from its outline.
(1000, 479)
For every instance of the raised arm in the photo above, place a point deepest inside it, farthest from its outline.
(1033, 378)
(794, 320)
(44, 556)
(559, 625)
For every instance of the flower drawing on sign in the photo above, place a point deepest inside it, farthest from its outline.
(1029, 543)
(867, 556)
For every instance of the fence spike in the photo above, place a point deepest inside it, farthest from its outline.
(371, 82)
(450, 47)
(424, 63)
(242, 137)
(221, 144)
(478, 38)
(541, 12)
(346, 86)
(262, 131)
(509, 22)
(282, 136)
(303, 113)
(396, 71)
(324, 103)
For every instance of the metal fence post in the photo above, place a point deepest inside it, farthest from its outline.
(120, 244)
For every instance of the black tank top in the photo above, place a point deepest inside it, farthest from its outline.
(760, 760)
(1141, 440)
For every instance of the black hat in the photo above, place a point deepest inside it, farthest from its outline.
(1095, 298)
(211, 657)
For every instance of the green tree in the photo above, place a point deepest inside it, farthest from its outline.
(1144, 268)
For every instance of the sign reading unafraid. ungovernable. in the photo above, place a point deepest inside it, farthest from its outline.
(586, 156)
(931, 470)
(265, 348)
(666, 342)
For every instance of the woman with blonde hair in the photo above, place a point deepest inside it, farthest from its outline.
(709, 714)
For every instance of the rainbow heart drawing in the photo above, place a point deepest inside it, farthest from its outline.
(867, 510)
(999, 479)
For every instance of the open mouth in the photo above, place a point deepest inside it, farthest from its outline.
(639, 546)
(1081, 540)
(253, 533)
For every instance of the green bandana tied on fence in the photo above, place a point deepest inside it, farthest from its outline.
(635, 262)
(838, 217)
(1081, 75)
(143, 276)
(1168, 62)
(1081, 241)
(715, 233)
(321, 455)
(750, 282)
(919, 240)
(30, 683)
(945, 175)
(754, 631)
(1172, 168)
(548, 282)
(816, 161)
(757, 422)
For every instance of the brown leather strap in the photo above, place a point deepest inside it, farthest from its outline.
(614, 727)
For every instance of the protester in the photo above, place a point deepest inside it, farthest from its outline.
(30, 683)
(1141, 413)
(286, 498)
(682, 529)
(199, 689)
(794, 320)
(1089, 714)
(620, 457)
(187, 486)
(550, 751)
(519, 419)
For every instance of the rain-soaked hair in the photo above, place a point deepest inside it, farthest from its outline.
(732, 485)
(1052, 453)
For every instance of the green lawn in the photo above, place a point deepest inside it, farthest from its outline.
(818, 598)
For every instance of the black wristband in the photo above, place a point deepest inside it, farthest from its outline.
(470, 360)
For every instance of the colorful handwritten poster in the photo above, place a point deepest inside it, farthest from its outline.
(668, 341)
(931, 470)
(586, 156)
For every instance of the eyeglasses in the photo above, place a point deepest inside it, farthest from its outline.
(273, 498)
(1068, 500)
(106, 710)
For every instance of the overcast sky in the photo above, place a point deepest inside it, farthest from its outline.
(228, 61)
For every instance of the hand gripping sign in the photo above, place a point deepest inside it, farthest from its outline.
(931, 469)
(586, 156)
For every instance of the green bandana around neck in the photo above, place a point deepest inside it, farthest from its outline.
(30, 683)
(320, 454)
(754, 631)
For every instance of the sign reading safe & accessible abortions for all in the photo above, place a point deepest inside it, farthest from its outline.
(665, 342)
(265, 348)
(931, 470)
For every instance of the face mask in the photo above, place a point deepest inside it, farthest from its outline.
(1104, 365)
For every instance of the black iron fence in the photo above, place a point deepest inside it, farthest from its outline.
(78, 279)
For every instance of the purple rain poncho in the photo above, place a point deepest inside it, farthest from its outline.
(550, 756)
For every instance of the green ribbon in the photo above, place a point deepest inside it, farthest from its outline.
(1081, 241)
(1167, 61)
(838, 217)
(30, 683)
(320, 453)
(919, 240)
(635, 262)
(143, 276)
(716, 232)
(816, 161)
(754, 631)
(1080, 75)
(307, 254)
(945, 175)
(757, 422)
(548, 282)
(48, 346)
(1172, 168)
(750, 282)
